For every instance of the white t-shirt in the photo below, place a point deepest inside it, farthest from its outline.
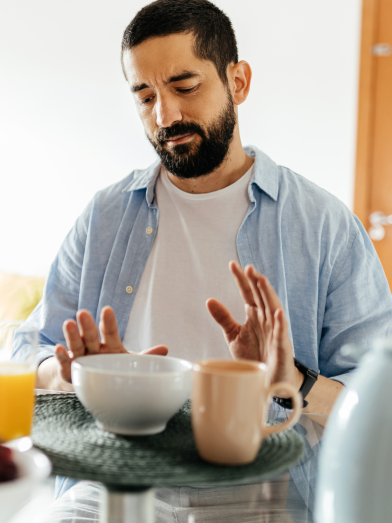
(188, 263)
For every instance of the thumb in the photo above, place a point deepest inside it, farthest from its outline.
(65, 361)
(222, 316)
(159, 350)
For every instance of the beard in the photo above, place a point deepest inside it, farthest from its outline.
(190, 160)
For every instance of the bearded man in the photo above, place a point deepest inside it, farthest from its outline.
(149, 252)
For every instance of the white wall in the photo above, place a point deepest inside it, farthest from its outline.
(68, 126)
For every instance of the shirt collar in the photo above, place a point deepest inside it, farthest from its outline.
(265, 172)
(265, 176)
(145, 179)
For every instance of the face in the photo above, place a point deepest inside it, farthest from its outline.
(187, 111)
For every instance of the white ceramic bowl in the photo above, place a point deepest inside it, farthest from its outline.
(33, 468)
(132, 394)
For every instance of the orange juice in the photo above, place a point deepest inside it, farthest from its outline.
(16, 400)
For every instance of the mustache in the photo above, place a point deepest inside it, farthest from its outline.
(178, 129)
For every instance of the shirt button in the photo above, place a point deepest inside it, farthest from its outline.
(129, 289)
(149, 230)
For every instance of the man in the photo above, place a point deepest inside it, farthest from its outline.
(150, 250)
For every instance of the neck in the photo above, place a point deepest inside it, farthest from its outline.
(234, 166)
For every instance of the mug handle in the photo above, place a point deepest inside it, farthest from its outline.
(296, 398)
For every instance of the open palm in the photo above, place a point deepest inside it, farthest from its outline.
(82, 338)
(264, 335)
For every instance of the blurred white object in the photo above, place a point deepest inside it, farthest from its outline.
(378, 221)
(355, 474)
(33, 468)
(129, 393)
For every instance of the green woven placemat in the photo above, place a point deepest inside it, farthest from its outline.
(77, 448)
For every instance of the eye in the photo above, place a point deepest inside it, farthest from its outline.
(146, 100)
(187, 90)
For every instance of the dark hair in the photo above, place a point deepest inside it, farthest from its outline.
(214, 35)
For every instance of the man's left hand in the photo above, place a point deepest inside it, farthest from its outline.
(264, 335)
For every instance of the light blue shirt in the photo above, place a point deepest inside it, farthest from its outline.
(312, 249)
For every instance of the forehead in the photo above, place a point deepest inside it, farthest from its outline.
(158, 59)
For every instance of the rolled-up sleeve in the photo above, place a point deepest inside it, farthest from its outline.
(358, 306)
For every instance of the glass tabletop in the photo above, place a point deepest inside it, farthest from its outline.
(284, 498)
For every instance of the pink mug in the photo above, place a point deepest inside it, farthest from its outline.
(229, 408)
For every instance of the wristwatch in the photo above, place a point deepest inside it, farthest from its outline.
(309, 380)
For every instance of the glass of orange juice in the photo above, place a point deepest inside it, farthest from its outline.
(18, 344)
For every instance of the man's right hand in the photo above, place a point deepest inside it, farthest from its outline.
(82, 339)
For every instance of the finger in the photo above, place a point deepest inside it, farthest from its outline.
(270, 298)
(252, 276)
(280, 333)
(72, 337)
(109, 330)
(159, 350)
(88, 332)
(268, 294)
(222, 316)
(242, 283)
(65, 361)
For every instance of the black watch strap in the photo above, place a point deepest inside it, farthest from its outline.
(310, 378)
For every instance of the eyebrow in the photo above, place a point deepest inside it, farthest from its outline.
(186, 75)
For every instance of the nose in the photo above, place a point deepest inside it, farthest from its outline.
(167, 111)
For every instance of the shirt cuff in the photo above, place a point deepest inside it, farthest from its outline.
(44, 352)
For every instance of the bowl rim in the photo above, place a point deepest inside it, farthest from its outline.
(79, 363)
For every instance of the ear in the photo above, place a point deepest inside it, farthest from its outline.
(240, 76)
